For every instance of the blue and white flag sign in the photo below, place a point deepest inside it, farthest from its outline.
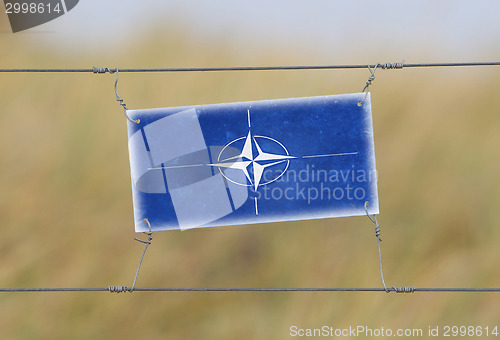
(252, 162)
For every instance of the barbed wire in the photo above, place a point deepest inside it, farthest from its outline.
(398, 65)
(121, 289)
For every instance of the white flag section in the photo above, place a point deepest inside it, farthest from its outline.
(252, 162)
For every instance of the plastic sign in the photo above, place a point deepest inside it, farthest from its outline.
(252, 162)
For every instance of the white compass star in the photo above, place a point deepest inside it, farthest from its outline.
(258, 161)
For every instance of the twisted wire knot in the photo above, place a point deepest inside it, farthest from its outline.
(378, 232)
(369, 81)
(403, 289)
(371, 78)
(120, 101)
(374, 221)
(392, 66)
(118, 289)
(103, 70)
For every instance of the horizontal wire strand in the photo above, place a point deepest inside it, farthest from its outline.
(249, 68)
(125, 289)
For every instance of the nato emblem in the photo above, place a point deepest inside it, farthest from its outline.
(252, 162)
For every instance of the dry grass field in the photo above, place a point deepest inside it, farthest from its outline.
(66, 208)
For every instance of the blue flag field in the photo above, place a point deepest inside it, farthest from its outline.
(252, 162)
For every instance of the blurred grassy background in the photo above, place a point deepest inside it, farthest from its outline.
(66, 208)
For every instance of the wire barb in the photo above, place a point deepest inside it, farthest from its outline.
(102, 70)
(404, 289)
(371, 78)
(392, 66)
(118, 289)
